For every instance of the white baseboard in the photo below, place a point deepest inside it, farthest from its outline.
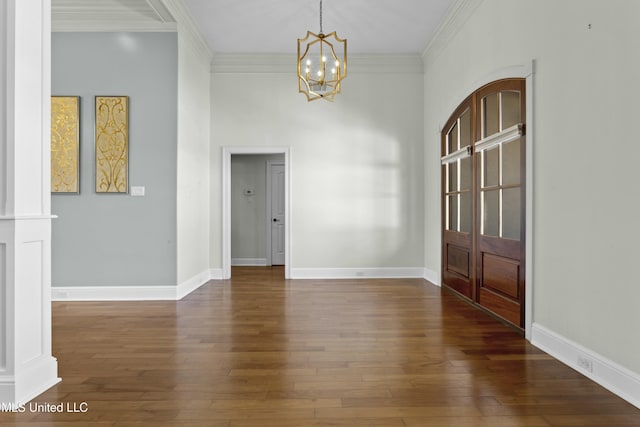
(216, 274)
(252, 262)
(113, 293)
(134, 293)
(357, 273)
(190, 285)
(36, 377)
(608, 374)
(432, 276)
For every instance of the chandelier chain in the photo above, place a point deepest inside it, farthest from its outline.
(320, 16)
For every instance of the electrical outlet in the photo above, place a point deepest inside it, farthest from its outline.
(585, 363)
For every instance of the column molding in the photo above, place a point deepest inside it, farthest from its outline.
(27, 367)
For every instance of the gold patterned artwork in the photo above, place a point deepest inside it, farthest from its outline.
(65, 144)
(112, 144)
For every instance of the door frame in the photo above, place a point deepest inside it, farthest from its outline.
(269, 201)
(525, 71)
(227, 152)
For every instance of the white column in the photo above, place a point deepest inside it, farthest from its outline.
(27, 367)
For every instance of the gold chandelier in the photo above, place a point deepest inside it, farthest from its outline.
(322, 64)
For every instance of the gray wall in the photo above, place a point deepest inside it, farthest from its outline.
(117, 239)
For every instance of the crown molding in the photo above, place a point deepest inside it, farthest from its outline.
(138, 15)
(286, 63)
(188, 28)
(163, 16)
(449, 27)
(105, 26)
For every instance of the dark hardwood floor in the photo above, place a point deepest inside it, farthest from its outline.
(261, 351)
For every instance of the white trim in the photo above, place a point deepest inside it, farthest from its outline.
(187, 28)
(93, 18)
(608, 374)
(5, 110)
(26, 217)
(449, 27)
(216, 274)
(134, 293)
(161, 10)
(173, 16)
(227, 152)
(190, 285)
(358, 273)
(113, 293)
(286, 64)
(253, 262)
(92, 25)
(35, 377)
(432, 276)
(528, 279)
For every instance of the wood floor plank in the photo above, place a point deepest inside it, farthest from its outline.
(258, 350)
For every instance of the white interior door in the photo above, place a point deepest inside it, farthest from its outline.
(278, 218)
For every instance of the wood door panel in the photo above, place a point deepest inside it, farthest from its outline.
(457, 283)
(501, 275)
(458, 239)
(456, 274)
(501, 247)
(500, 305)
(458, 260)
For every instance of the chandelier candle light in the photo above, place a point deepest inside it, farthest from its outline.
(322, 64)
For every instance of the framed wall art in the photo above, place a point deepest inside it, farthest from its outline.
(112, 144)
(65, 144)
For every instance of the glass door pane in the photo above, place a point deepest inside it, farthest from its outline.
(453, 177)
(465, 212)
(452, 140)
(490, 115)
(511, 163)
(452, 208)
(466, 130)
(491, 167)
(491, 213)
(511, 213)
(510, 109)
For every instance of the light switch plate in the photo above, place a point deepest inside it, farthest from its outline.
(137, 191)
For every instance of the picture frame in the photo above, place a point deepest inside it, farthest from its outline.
(65, 145)
(112, 144)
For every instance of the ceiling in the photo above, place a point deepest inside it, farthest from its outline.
(272, 26)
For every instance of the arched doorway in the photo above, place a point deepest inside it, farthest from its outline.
(483, 199)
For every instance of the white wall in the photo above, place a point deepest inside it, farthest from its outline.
(585, 230)
(356, 164)
(193, 158)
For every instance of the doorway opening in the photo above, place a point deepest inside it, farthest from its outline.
(254, 222)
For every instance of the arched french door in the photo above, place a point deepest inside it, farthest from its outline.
(483, 199)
